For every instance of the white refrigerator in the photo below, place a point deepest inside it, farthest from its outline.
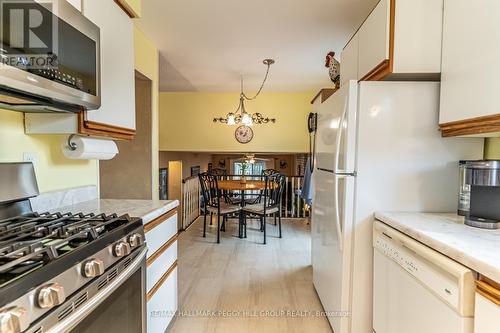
(378, 148)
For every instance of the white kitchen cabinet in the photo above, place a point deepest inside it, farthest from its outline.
(487, 309)
(161, 281)
(158, 267)
(349, 61)
(76, 3)
(163, 305)
(117, 64)
(418, 27)
(470, 68)
(401, 40)
(116, 116)
(161, 233)
(374, 39)
(487, 316)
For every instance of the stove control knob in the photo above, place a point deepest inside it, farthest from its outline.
(121, 249)
(135, 240)
(13, 320)
(51, 295)
(93, 268)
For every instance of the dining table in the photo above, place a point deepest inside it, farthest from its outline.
(242, 187)
(238, 185)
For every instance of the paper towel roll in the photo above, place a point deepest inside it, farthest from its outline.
(90, 149)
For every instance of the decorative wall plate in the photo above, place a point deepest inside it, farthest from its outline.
(243, 134)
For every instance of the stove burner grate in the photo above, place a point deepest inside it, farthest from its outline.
(30, 241)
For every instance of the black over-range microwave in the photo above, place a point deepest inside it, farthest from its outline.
(49, 57)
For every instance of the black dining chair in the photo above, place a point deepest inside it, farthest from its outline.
(220, 173)
(269, 172)
(229, 197)
(213, 204)
(255, 198)
(270, 205)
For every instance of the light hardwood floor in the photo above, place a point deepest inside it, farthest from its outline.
(243, 275)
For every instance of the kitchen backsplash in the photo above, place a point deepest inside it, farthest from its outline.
(55, 199)
(492, 150)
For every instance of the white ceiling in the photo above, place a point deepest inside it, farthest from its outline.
(205, 45)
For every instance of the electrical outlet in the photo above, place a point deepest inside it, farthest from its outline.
(30, 157)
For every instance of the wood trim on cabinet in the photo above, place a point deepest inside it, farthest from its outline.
(159, 220)
(392, 33)
(162, 280)
(489, 289)
(161, 250)
(92, 128)
(324, 93)
(379, 72)
(479, 125)
(386, 67)
(127, 9)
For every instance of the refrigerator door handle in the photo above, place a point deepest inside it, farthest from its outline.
(338, 223)
(339, 137)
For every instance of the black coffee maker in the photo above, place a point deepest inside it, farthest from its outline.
(483, 177)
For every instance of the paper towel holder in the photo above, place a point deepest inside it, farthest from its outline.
(88, 148)
(71, 145)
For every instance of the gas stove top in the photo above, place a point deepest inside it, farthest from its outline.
(55, 267)
(29, 242)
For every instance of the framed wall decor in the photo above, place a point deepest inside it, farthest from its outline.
(243, 134)
(195, 170)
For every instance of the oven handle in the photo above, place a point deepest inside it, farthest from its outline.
(76, 317)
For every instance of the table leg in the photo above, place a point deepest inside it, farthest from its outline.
(241, 222)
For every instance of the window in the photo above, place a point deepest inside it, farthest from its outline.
(252, 169)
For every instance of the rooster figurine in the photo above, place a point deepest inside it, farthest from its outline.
(333, 68)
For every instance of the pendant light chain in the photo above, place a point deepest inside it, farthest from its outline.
(261, 86)
(241, 115)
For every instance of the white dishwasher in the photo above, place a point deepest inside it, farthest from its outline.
(417, 289)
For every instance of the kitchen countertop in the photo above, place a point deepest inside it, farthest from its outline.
(478, 249)
(148, 210)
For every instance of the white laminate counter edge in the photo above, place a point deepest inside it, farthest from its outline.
(472, 247)
(160, 211)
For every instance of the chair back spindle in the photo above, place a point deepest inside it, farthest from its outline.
(269, 172)
(273, 192)
(221, 174)
(209, 189)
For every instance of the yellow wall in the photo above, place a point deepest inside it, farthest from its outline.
(492, 150)
(186, 122)
(53, 170)
(147, 63)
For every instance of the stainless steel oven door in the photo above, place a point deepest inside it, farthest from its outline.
(120, 307)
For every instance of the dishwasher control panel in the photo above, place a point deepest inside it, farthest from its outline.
(395, 253)
(432, 277)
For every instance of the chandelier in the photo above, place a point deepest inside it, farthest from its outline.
(250, 158)
(241, 116)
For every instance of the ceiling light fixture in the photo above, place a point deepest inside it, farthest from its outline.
(251, 159)
(241, 116)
